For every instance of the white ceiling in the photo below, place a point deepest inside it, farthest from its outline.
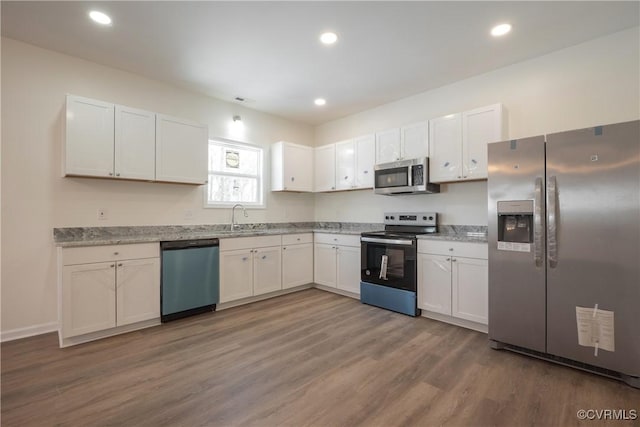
(269, 52)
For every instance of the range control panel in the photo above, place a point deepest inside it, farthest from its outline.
(420, 219)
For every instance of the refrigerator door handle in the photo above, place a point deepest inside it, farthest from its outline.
(537, 223)
(552, 223)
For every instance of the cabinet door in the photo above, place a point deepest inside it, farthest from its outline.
(267, 270)
(89, 137)
(135, 143)
(298, 166)
(479, 127)
(348, 269)
(88, 298)
(137, 290)
(388, 146)
(325, 168)
(365, 160)
(297, 265)
(434, 283)
(181, 151)
(445, 148)
(324, 265)
(345, 165)
(236, 274)
(415, 141)
(470, 289)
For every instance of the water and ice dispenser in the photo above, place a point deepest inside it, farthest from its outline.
(515, 225)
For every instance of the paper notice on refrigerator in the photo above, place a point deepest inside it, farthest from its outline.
(595, 328)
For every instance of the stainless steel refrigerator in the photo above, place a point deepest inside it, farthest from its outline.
(564, 248)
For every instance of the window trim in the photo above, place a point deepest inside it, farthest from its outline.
(260, 176)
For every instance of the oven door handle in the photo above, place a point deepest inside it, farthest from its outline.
(387, 241)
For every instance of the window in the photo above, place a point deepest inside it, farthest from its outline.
(235, 174)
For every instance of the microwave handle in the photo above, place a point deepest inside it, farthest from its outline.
(410, 176)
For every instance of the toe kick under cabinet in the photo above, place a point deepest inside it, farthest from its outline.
(106, 290)
(453, 282)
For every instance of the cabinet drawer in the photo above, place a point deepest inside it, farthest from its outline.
(91, 254)
(249, 242)
(338, 239)
(294, 239)
(463, 249)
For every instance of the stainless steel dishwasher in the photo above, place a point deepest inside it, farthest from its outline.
(190, 280)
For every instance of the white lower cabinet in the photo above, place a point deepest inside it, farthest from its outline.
(453, 279)
(249, 266)
(337, 261)
(107, 287)
(297, 260)
(267, 270)
(236, 274)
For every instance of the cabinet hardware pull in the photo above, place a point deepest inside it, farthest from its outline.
(110, 173)
(116, 253)
(284, 249)
(120, 265)
(245, 258)
(293, 178)
(298, 239)
(450, 249)
(112, 265)
(264, 257)
(459, 177)
(464, 176)
(118, 174)
(346, 177)
(365, 172)
(454, 260)
(448, 259)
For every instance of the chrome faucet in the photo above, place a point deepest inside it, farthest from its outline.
(234, 225)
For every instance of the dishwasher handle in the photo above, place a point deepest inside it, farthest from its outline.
(186, 244)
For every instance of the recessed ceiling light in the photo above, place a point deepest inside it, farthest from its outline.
(100, 18)
(320, 101)
(500, 30)
(328, 38)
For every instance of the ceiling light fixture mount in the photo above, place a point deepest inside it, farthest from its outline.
(328, 38)
(100, 17)
(237, 119)
(320, 101)
(500, 30)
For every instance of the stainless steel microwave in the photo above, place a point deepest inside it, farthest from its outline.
(404, 177)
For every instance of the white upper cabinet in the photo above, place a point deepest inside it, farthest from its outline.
(445, 150)
(458, 143)
(479, 128)
(135, 143)
(345, 165)
(388, 145)
(365, 160)
(181, 150)
(89, 139)
(113, 141)
(291, 166)
(408, 142)
(415, 140)
(325, 168)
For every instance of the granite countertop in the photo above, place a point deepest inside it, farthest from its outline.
(459, 233)
(95, 236)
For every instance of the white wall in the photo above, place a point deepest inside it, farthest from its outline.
(585, 85)
(35, 198)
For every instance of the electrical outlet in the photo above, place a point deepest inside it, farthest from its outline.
(103, 214)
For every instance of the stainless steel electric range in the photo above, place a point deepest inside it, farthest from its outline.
(388, 276)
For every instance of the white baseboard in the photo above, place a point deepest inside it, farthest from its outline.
(29, 331)
(455, 321)
(337, 291)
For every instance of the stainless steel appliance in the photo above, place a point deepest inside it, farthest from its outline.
(190, 279)
(564, 248)
(388, 261)
(404, 177)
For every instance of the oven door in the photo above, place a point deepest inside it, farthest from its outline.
(389, 262)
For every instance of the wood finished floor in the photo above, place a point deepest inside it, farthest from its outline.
(308, 358)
